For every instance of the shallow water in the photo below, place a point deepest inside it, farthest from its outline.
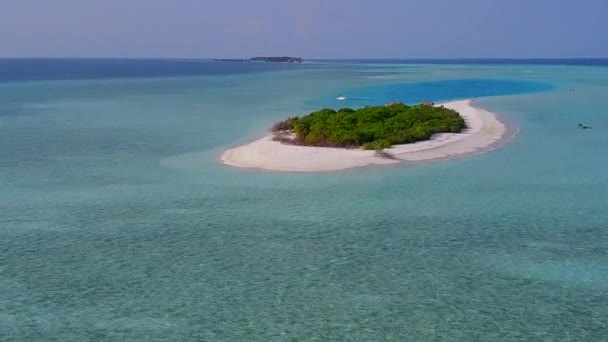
(118, 223)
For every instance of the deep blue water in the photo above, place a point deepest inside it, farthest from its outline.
(70, 69)
(33, 69)
(118, 223)
(434, 90)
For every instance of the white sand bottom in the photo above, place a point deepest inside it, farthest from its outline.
(483, 131)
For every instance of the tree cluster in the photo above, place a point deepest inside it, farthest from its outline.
(373, 128)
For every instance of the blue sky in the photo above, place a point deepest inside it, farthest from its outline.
(308, 28)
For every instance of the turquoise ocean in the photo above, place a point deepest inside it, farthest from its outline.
(118, 223)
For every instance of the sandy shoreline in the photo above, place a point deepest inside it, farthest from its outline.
(483, 132)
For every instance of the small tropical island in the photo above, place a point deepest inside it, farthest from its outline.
(330, 140)
(282, 59)
(371, 127)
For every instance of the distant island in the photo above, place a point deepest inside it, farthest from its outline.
(283, 59)
(371, 128)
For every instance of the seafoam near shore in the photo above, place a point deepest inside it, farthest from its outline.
(483, 131)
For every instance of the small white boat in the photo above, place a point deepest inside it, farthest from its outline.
(341, 98)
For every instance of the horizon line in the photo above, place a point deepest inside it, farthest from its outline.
(310, 59)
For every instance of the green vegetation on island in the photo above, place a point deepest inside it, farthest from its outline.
(372, 128)
(283, 59)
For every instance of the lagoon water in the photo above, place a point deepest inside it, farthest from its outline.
(117, 222)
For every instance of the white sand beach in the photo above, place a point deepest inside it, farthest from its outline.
(483, 132)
